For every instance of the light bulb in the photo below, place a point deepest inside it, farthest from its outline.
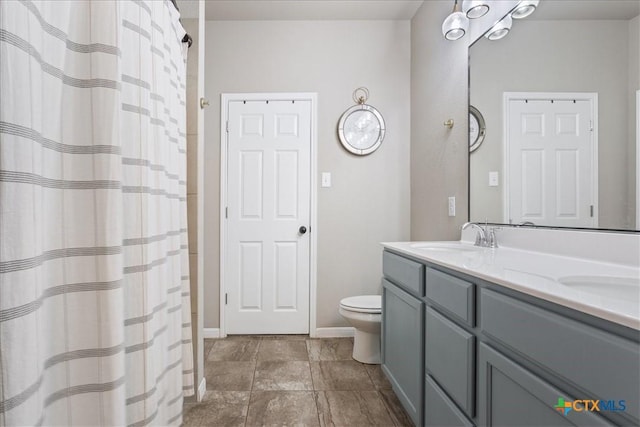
(500, 30)
(525, 8)
(475, 8)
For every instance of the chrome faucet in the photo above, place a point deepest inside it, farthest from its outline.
(486, 237)
(481, 237)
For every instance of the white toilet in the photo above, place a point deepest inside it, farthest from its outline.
(364, 313)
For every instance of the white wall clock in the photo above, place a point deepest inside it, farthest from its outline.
(361, 128)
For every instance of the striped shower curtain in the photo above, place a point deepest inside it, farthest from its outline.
(94, 288)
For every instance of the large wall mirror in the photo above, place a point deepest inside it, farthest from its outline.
(559, 98)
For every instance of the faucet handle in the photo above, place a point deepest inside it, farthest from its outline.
(492, 240)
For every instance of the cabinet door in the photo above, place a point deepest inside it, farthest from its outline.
(402, 347)
(512, 396)
(602, 364)
(449, 358)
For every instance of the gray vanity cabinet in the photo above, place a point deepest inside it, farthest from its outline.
(461, 351)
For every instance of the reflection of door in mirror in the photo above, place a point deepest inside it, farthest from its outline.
(563, 47)
(550, 154)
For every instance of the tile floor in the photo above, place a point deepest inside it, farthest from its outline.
(292, 380)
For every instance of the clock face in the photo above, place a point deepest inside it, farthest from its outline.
(361, 129)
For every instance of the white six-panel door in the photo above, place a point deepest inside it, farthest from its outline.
(268, 201)
(551, 161)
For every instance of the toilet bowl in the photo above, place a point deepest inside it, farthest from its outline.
(363, 312)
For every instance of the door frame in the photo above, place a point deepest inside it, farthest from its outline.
(201, 383)
(313, 220)
(637, 227)
(592, 97)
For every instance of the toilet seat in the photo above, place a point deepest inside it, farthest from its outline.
(363, 304)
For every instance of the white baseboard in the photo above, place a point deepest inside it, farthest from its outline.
(202, 388)
(211, 332)
(338, 332)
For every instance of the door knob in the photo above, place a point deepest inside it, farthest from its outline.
(302, 229)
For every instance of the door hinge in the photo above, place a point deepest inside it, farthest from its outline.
(227, 126)
(226, 299)
(226, 212)
(591, 211)
(591, 125)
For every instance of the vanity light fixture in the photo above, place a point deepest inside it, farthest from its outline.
(456, 24)
(524, 9)
(475, 8)
(500, 30)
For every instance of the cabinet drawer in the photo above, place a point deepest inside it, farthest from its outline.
(604, 365)
(456, 296)
(404, 272)
(438, 408)
(449, 358)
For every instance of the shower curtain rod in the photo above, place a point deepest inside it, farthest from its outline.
(187, 38)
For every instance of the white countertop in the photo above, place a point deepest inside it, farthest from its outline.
(538, 274)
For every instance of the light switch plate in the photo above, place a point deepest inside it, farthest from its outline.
(452, 206)
(326, 179)
(493, 179)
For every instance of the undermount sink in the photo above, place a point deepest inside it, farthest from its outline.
(453, 246)
(627, 288)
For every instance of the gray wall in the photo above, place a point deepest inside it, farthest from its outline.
(438, 155)
(557, 56)
(369, 201)
(439, 91)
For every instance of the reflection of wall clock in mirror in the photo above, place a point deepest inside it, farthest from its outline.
(477, 128)
(361, 128)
